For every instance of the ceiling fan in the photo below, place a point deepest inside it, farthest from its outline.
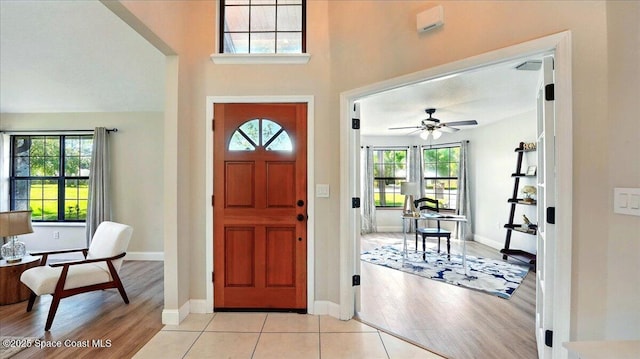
(432, 126)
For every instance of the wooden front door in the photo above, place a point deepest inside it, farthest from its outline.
(260, 206)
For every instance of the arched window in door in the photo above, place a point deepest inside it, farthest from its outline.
(260, 133)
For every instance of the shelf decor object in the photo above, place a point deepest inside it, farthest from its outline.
(529, 192)
(13, 224)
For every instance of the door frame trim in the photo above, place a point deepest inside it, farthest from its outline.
(309, 100)
(560, 45)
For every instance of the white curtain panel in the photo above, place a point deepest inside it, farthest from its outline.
(99, 204)
(464, 206)
(368, 212)
(416, 171)
(416, 174)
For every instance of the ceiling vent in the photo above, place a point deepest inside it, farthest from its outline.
(531, 65)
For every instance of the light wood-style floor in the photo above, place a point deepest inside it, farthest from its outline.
(93, 316)
(453, 321)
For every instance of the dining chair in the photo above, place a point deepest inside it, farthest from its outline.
(429, 205)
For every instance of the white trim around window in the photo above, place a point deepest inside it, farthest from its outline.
(260, 59)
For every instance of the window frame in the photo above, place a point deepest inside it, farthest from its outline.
(295, 57)
(385, 178)
(61, 178)
(262, 140)
(431, 193)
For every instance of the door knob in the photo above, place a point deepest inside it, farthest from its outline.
(300, 217)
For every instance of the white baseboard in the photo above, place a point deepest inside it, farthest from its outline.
(324, 307)
(321, 307)
(392, 229)
(200, 306)
(488, 242)
(175, 316)
(170, 316)
(145, 256)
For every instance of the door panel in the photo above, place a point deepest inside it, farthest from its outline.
(260, 226)
(238, 189)
(281, 178)
(239, 250)
(281, 257)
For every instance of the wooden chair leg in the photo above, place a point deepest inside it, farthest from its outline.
(32, 299)
(52, 312)
(122, 292)
(118, 283)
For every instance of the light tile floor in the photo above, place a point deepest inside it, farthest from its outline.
(275, 335)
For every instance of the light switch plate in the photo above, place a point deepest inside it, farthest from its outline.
(322, 190)
(626, 201)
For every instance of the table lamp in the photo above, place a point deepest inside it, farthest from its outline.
(13, 224)
(409, 189)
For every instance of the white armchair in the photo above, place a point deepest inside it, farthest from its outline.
(99, 270)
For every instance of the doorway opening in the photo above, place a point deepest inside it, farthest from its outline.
(559, 45)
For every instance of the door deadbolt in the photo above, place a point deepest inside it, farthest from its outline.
(300, 203)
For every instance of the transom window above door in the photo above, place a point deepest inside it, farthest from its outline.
(262, 26)
(258, 133)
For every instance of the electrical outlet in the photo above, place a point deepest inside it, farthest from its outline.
(56, 235)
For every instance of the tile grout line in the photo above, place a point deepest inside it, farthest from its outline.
(383, 345)
(198, 337)
(319, 339)
(260, 335)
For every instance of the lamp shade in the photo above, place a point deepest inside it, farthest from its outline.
(15, 223)
(409, 188)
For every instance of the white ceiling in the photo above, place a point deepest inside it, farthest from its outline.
(486, 95)
(75, 56)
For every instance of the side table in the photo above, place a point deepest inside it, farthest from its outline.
(11, 289)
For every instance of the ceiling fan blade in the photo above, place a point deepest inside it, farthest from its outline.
(448, 129)
(404, 128)
(461, 123)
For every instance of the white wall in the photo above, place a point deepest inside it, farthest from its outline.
(492, 160)
(136, 167)
(623, 249)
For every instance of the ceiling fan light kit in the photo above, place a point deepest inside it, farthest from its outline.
(434, 133)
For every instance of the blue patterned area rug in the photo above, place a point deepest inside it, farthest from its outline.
(493, 276)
